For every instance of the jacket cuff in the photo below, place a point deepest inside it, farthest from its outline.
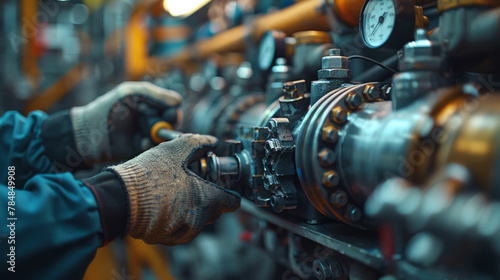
(59, 143)
(112, 200)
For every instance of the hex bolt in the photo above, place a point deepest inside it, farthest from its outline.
(330, 134)
(339, 115)
(353, 213)
(386, 92)
(371, 92)
(339, 199)
(354, 101)
(331, 179)
(327, 269)
(327, 157)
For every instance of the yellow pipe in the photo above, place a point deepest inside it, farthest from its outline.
(304, 15)
(29, 23)
(58, 90)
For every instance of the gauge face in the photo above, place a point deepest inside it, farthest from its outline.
(378, 18)
(272, 46)
(266, 52)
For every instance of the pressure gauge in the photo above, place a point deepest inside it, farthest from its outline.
(272, 46)
(387, 23)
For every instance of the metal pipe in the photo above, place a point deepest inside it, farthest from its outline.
(302, 16)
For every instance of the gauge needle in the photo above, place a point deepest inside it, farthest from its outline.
(380, 20)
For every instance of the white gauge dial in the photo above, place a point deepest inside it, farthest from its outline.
(378, 21)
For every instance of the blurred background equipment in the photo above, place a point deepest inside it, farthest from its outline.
(363, 136)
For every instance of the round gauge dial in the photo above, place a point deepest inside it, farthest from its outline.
(272, 46)
(379, 22)
(387, 23)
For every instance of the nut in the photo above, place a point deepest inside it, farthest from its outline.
(330, 134)
(339, 115)
(354, 101)
(334, 74)
(339, 199)
(332, 62)
(327, 157)
(371, 92)
(331, 179)
(386, 92)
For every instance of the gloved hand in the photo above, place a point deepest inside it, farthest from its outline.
(169, 204)
(108, 129)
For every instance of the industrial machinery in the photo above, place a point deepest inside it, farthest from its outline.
(350, 170)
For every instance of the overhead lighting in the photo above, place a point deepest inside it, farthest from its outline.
(183, 8)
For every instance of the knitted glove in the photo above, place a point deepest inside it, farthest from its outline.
(109, 128)
(168, 203)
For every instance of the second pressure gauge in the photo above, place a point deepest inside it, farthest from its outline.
(387, 23)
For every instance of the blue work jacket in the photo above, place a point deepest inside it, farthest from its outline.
(52, 228)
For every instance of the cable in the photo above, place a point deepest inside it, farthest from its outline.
(372, 61)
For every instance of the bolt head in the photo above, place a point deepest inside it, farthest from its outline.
(339, 199)
(330, 134)
(334, 74)
(339, 115)
(353, 213)
(330, 179)
(354, 100)
(386, 92)
(332, 62)
(371, 92)
(327, 157)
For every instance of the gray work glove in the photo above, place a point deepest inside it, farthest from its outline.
(109, 128)
(169, 204)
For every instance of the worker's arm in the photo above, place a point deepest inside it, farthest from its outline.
(110, 128)
(21, 146)
(57, 222)
(51, 230)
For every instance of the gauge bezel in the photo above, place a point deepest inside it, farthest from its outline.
(404, 25)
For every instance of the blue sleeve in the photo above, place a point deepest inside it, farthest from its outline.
(21, 146)
(56, 229)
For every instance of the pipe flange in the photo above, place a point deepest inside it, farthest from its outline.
(317, 154)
